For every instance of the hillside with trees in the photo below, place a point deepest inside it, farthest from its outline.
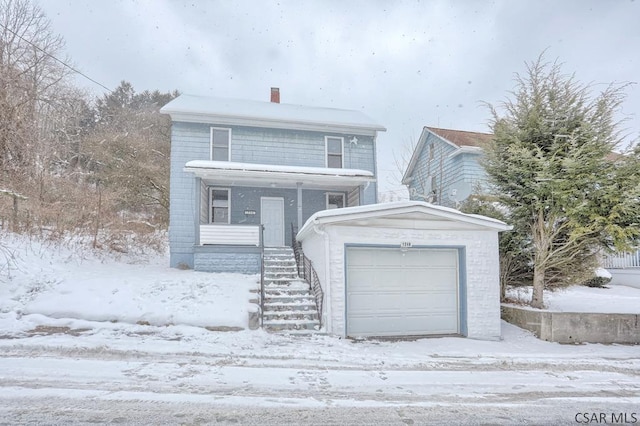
(71, 162)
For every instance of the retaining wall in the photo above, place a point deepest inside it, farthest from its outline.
(575, 327)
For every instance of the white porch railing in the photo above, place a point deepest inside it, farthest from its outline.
(231, 235)
(622, 260)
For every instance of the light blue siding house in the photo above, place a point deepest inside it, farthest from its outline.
(445, 167)
(237, 165)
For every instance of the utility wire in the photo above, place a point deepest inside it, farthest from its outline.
(51, 56)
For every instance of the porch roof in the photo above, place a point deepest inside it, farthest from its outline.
(267, 175)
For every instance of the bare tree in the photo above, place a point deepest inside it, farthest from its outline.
(29, 77)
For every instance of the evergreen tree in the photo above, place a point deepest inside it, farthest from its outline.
(551, 167)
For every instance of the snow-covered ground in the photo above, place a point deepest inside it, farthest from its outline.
(40, 281)
(611, 299)
(75, 347)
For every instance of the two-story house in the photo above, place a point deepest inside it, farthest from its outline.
(445, 168)
(245, 173)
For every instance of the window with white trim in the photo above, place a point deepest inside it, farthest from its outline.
(219, 205)
(334, 149)
(335, 200)
(220, 144)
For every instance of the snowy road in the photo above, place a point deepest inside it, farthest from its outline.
(45, 384)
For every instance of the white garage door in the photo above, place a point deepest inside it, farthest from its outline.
(395, 293)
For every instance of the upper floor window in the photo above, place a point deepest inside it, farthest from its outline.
(219, 205)
(220, 144)
(334, 149)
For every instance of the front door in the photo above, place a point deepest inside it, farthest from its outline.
(272, 217)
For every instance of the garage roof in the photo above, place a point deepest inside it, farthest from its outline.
(402, 214)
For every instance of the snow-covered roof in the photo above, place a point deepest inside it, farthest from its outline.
(232, 173)
(412, 214)
(225, 111)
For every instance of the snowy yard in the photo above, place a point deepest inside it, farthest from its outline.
(86, 339)
(612, 299)
(44, 282)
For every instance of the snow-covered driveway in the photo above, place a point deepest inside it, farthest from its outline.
(188, 375)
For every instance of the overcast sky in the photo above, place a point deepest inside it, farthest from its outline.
(407, 64)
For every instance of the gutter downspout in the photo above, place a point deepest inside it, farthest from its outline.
(198, 208)
(299, 195)
(327, 274)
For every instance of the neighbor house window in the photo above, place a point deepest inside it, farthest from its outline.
(335, 201)
(220, 144)
(219, 205)
(334, 151)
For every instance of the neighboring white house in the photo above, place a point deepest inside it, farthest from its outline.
(407, 268)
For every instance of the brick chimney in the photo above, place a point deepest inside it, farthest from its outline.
(275, 95)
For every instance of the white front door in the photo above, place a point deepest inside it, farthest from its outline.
(272, 217)
(392, 292)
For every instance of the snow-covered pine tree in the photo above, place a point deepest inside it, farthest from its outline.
(551, 166)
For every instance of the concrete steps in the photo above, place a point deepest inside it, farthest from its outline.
(289, 305)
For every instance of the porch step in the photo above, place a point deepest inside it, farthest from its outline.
(290, 279)
(278, 251)
(280, 269)
(279, 262)
(286, 284)
(306, 304)
(289, 325)
(288, 304)
(291, 293)
(291, 315)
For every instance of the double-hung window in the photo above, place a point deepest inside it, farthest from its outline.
(220, 144)
(334, 148)
(218, 205)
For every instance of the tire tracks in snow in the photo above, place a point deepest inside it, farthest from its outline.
(629, 365)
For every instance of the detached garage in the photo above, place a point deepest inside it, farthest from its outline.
(406, 269)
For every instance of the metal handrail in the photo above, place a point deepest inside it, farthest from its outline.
(261, 275)
(297, 249)
(308, 272)
(312, 277)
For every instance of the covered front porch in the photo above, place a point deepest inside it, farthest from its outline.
(242, 205)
